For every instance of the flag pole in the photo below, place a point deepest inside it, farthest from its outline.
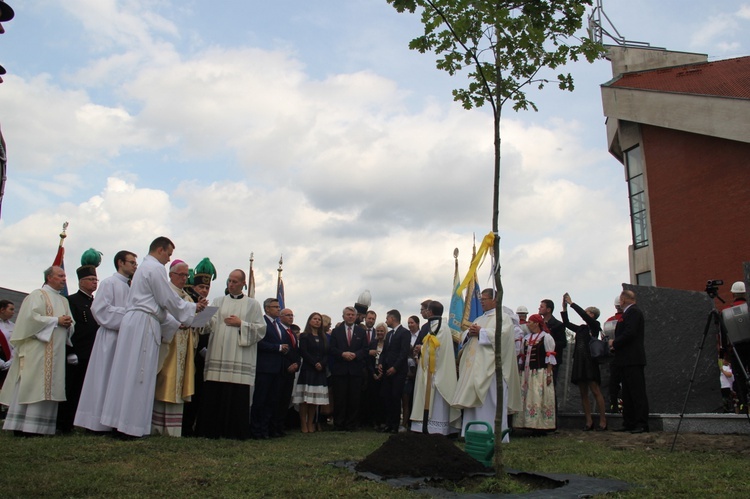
(60, 250)
(466, 320)
(251, 278)
(280, 284)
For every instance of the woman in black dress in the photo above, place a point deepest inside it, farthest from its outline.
(585, 369)
(312, 384)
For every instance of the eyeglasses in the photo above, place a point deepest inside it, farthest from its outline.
(287, 315)
(180, 274)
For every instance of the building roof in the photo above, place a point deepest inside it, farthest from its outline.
(726, 78)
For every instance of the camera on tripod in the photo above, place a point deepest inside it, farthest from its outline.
(712, 287)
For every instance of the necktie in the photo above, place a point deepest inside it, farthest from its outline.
(292, 338)
(349, 335)
(369, 336)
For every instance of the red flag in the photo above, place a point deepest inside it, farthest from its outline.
(60, 256)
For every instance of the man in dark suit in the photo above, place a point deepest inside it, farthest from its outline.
(79, 353)
(271, 350)
(557, 328)
(393, 365)
(290, 363)
(630, 358)
(349, 350)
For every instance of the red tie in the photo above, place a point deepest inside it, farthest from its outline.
(349, 335)
(292, 338)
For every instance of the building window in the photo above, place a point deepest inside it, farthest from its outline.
(637, 194)
(644, 279)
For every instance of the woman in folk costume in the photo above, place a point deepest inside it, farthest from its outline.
(175, 382)
(537, 388)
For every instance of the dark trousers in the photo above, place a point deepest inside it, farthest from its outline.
(372, 404)
(66, 411)
(224, 411)
(347, 391)
(265, 400)
(278, 421)
(392, 390)
(615, 378)
(192, 409)
(634, 399)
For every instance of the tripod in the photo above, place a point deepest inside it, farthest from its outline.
(714, 317)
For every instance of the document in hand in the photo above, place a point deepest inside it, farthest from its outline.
(202, 318)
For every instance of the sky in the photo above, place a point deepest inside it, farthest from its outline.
(309, 130)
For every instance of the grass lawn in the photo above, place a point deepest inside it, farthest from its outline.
(83, 465)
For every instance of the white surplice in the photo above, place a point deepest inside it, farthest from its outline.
(442, 418)
(108, 309)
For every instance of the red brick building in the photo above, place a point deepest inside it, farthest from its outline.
(680, 125)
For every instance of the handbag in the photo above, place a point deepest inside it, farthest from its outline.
(599, 349)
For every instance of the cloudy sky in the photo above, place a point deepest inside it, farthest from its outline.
(310, 130)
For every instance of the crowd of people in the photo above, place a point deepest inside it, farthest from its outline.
(142, 352)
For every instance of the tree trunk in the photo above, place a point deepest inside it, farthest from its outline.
(498, 458)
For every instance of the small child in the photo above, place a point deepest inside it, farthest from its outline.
(726, 378)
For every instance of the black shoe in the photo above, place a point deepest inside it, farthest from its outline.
(625, 428)
(640, 429)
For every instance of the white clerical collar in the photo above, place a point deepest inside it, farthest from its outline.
(49, 288)
(490, 312)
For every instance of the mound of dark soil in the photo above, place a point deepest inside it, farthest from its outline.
(420, 455)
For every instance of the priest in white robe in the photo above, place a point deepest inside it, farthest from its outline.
(476, 391)
(229, 374)
(435, 383)
(36, 379)
(108, 309)
(129, 402)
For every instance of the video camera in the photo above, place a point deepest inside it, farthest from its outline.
(712, 287)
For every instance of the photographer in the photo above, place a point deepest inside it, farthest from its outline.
(741, 350)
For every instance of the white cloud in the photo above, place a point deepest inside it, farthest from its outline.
(724, 31)
(348, 175)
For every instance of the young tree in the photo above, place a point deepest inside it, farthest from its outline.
(504, 45)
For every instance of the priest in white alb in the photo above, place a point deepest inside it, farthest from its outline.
(435, 383)
(476, 391)
(129, 402)
(36, 379)
(108, 309)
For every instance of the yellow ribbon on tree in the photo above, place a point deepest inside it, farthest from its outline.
(484, 249)
(431, 342)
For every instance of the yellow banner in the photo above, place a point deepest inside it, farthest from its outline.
(484, 249)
